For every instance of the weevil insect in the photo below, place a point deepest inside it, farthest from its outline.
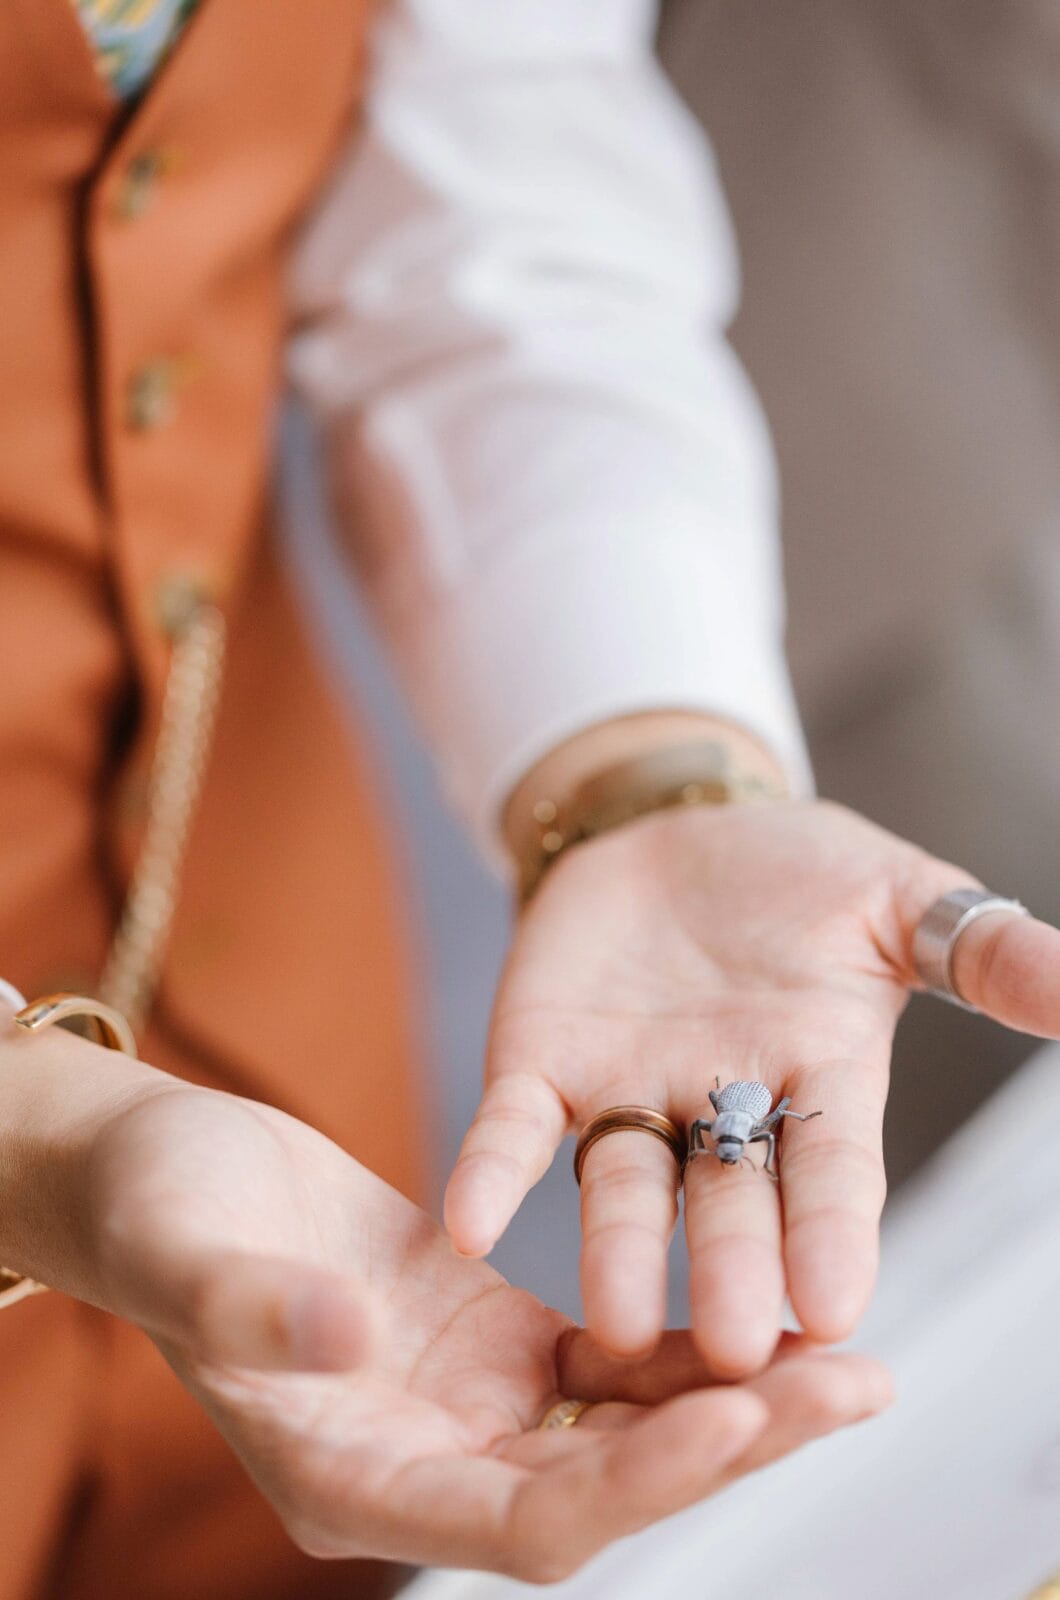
(745, 1115)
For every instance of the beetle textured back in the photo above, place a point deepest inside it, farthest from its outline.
(745, 1115)
(754, 1098)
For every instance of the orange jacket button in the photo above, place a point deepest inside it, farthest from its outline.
(151, 397)
(139, 182)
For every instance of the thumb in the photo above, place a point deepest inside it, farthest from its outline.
(235, 1309)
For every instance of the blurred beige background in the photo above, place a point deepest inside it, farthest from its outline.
(894, 173)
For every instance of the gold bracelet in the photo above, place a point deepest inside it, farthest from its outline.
(108, 1028)
(694, 774)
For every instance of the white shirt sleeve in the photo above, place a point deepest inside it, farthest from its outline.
(509, 314)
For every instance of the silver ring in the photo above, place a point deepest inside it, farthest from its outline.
(939, 929)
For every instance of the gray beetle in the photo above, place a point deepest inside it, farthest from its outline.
(745, 1115)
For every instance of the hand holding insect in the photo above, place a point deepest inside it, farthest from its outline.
(770, 945)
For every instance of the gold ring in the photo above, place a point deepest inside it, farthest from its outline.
(564, 1414)
(111, 1030)
(623, 1119)
(109, 1027)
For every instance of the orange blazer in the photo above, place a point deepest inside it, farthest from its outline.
(141, 322)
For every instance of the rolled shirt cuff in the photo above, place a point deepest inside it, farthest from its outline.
(603, 627)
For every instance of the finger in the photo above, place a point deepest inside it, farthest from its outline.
(678, 1453)
(628, 1209)
(736, 1274)
(833, 1186)
(543, 1447)
(667, 1459)
(231, 1309)
(811, 1393)
(541, 1523)
(584, 1369)
(508, 1147)
(1008, 966)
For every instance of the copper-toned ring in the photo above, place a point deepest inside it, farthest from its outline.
(564, 1414)
(629, 1119)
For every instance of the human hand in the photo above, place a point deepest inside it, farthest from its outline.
(383, 1392)
(768, 942)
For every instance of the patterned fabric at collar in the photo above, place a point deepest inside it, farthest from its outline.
(132, 37)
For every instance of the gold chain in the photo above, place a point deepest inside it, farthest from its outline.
(189, 711)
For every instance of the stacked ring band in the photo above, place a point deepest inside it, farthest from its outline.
(626, 1119)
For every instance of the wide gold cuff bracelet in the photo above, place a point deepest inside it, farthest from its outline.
(699, 772)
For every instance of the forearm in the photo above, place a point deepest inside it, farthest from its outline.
(56, 1092)
(555, 480)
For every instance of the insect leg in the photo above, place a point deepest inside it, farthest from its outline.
(770, 1140)
(802, 1116)
(695, 1138)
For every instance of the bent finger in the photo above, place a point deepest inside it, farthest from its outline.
(681, 1452)
(811, 1393)
(672, 1456)
(508, 1147)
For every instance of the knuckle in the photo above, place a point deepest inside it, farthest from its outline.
(736, 1243)
(487, 1159)
(837, 1165)
(834, 1215)
(510, 1113)
(629, 1227)
(622, 1176)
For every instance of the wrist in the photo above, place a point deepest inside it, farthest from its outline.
(616, 771)
(57, 1091)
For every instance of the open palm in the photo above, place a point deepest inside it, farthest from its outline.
(769, 943)
(384, 1392)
